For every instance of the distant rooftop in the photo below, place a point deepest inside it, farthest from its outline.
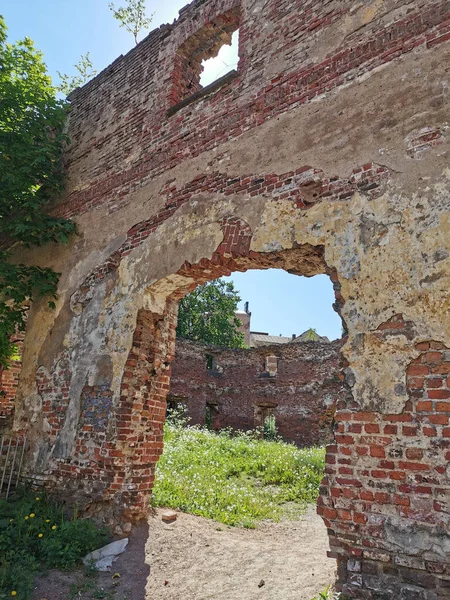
(258, 338)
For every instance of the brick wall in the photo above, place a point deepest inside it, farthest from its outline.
(326, 153)
(386, 486)
(122, 140)
(9, 379)
(301, 387)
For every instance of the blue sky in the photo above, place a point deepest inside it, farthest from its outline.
(64, 30)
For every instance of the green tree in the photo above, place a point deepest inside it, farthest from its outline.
(86, 72)
(207, 315)
(132, 16)
(31, 174)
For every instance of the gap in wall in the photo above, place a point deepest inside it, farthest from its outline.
(268, 388)
(226, 60)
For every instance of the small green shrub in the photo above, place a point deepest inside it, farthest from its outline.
(236, 479)
(328, 594)
(35, 534)
(270, 429)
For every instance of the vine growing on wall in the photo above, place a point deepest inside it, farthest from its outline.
(31, 174)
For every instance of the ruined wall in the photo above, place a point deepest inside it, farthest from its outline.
(9, 379)
(299, 384)
(327, 152)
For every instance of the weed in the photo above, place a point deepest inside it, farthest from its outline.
(34, 534)
(236, 479)
(270, 428)
(328, 594)
(101, 594)
(76, 589)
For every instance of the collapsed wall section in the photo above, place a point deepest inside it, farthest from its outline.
(298, 384)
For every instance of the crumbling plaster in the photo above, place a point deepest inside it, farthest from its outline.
(384, 241)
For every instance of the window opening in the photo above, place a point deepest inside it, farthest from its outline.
(209, 362)
(262, 412)
(206, 57)
(270, 427)
(271, 365)
(211, 412)
(226, 60)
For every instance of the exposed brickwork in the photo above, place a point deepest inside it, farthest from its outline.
(303, 160)
(246, 102)
(299, 382)
(304, 187)
(9, 379)
(421, 140)
(116, 447)
(387, 488)
(203, 44)
(54, 389)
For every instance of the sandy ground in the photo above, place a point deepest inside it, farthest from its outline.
(198, 559)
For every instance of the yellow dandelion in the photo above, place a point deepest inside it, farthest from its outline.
(14, 593)
(32, 515)
(40, 535)
(26, 517)
(11, 520)
(37, 499)
(47, 520)
(54, 527)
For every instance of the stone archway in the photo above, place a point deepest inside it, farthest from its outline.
(101, 445)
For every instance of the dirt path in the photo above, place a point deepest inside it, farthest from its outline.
(199, 559)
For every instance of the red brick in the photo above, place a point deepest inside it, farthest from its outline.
(416, 383)
(390, 429)
(432, 357)
(438, 394)
(397, 475)
(365, 416)
(372, 428)
(436, 382)
(417, 370)
(382, 498)
(409, 431)
(413, 466)
(423, 346)
(429, 431)
(438, 419)
(401, 500)
(377, 451)
(414, 453)
(424, 406)
(443, 369)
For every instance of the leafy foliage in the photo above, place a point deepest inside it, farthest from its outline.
(235, 479)
(31, 141)
(328, 594)
(132, 16)
(86, 72)
(35, 534)
(270, 430)
(207, 315)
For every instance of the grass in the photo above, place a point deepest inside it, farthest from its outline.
(328, 594)
(35, 535)
(236, 479)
